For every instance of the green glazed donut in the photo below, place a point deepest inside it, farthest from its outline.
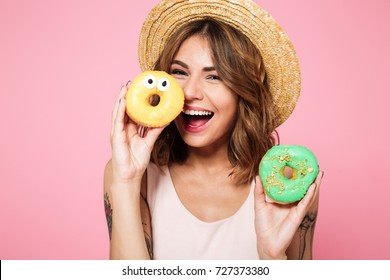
(271, 170)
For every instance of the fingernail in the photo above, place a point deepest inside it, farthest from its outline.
(128, 83)
(322, 174)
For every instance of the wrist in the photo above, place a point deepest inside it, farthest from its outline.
(125, 189)
(279, 257)
(271, 256)
(123, 178)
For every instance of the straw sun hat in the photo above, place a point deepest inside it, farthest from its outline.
(279, 56)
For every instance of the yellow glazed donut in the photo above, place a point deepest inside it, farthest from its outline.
(163, 89)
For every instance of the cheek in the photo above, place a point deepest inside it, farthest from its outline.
(228, 103)
(228, 111)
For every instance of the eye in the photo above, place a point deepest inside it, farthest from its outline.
(178, 72)
(150, 81)
(163, 84)
(213, 77)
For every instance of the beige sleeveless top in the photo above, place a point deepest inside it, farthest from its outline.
(178, 234)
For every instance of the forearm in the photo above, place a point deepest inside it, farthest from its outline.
(301, 246)
(127, 236)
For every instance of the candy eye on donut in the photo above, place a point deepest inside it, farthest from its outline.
(163, 84)
(150, 81)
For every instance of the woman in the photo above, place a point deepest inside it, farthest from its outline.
(190, 190)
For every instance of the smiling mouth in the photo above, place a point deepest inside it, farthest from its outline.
(195, 118)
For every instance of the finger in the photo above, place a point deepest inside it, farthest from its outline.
(305, 203)
(128, 84)
(260, 197)
(119, 121)
(318, 184)
(120, 96)
(142, 131)
(319, 178)
(310, 197)
(152, 134)
(258, 187)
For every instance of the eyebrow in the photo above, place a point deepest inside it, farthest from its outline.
(184, 65)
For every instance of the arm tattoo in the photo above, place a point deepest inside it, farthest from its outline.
(149, 244)
(306, 225)
(108, 210)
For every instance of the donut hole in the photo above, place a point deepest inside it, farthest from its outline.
(154, 100)
(289, 172)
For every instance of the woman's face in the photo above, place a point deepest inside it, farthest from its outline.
(210, 108)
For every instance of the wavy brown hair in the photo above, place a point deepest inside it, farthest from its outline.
(239, 65)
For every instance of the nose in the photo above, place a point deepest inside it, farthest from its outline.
(192, 89)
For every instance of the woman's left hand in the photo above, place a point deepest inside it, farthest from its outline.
(276, 224)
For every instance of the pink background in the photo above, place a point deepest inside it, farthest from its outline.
(62, 64)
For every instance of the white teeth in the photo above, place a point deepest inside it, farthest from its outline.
(197, 113)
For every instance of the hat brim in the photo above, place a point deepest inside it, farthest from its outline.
(278, 53)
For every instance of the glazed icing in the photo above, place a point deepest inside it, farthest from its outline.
(148, 85)
(271, 170)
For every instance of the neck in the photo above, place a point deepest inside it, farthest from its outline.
(209, 160)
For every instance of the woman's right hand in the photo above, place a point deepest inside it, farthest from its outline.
(130, 150)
